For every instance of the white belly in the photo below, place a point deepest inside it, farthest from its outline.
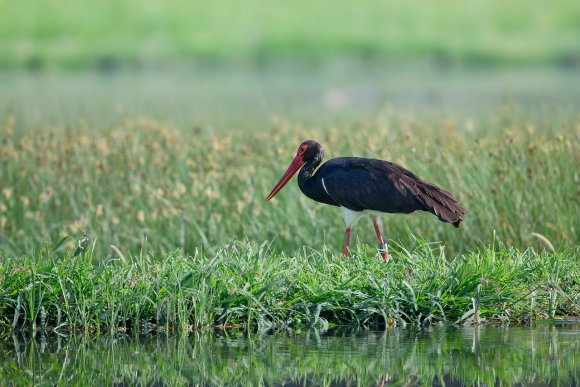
(351, 217)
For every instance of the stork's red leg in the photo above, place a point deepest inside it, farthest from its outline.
(382, 245)
(346, 242)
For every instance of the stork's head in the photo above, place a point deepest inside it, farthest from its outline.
(307, 151)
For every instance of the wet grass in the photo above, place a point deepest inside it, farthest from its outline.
(252, 287)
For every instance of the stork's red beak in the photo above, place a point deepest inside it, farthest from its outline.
(292, 169)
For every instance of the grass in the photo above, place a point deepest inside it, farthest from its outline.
(159, 204)
(75, 34)
(144, 181)
(254, 288)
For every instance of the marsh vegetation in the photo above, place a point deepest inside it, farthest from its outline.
(138, 141)
(180, 235)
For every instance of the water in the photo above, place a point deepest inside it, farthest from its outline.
(245, 99)
(541, 355)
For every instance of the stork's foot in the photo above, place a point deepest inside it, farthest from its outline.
(384, 252)
(382, 245)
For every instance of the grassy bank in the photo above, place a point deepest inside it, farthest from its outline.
(252, 287)
(73, 34)
(142, 188)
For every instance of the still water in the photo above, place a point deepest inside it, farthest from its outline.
(541, 355)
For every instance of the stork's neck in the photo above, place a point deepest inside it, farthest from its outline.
(305, 177)
(311, 183)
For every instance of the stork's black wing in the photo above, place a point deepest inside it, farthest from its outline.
(367, 184)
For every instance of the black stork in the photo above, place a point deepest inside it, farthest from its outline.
(367, 187)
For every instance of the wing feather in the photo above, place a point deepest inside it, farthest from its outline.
(366, 184)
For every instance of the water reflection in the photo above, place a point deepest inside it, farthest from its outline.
(543, 355)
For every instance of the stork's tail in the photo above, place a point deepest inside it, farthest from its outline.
(440, 203)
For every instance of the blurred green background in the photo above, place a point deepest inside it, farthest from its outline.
(108, 33)
(225, 65)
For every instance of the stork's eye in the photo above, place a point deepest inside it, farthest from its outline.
(302, 149)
